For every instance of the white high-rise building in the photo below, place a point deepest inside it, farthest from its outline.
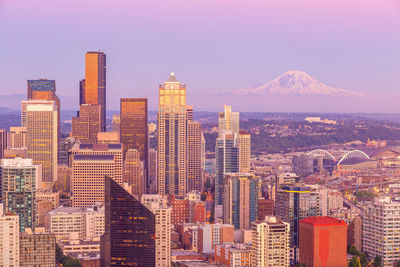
(9, 240)
(163, 236)
(270, 243)
(228, 120)
(381, 229)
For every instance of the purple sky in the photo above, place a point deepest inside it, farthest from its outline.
(213, 46)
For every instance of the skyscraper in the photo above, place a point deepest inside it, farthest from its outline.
(244, 152)
(227, 161)
(270, 243)
(194, 160)
(90, 164)
(129, 238)
(86, 127)
(240, 199)
(153, 170)
(133, 172)
(81, 92)
(37, 249)
(94, 86)
(323, 242)
(41, 137)
(19, 181)
(133, 129)
(228, 120)
(172, 134)
(3, 142)
(43, 89)
(294, 203)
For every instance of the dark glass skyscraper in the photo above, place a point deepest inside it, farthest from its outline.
(129, 238)
(133, 129)
(94, 86)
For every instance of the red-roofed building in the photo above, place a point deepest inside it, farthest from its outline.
(323, 242)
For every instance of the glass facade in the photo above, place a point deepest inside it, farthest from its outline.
(129, 238)
(133, 129)
(94, 86)
(19, 194)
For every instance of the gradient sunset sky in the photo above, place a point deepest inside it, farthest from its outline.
(213, 46)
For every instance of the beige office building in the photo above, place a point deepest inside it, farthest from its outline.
(108, 138)
(91, 163)
(194, 160)
(17, 137)
(172, 134)
(37, 249)
(270, 243)
(163, 236)
(244, 152)
(41, 137)
(9, 240)
(69, 223)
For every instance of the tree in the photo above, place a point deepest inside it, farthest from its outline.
(353, 251)
(364, 259)
(355, 262)
(59, 254)
(71, 262)
(378, 261)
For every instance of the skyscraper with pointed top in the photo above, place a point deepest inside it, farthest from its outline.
(172, 136)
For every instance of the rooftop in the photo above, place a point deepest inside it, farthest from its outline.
(323, 221)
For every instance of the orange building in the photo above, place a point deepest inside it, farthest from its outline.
(323, 242)
(93, 89)
(180, 210)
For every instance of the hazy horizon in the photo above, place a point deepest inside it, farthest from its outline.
(215, 48)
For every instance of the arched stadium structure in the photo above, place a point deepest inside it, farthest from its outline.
(353, 157)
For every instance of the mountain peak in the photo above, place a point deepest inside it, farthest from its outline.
(295, 82)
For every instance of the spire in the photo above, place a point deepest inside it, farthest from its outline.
(172, 78)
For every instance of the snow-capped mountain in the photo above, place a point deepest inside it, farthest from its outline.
(296, 82)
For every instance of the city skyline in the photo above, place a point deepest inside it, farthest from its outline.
(326, 40)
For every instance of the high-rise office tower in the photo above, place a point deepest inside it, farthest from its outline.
(294, 203)
(9, 240)
(270, 243)
(130, 230)
(17, 137)
(189, 111)
(94, 85)
(90, 164)
(133, 172)
(172, 134)
(194, 159)
(227, 161)
(228, 120)
(41, 137)
(37, 248)
(133, 129)
(86, 127)
(153, 170)
(116, 123)
(43, 89)
(3, 142)
(19, 183)
(241, 199)
(81, 92)
(380, 235)
(323, 242)
(244, 152)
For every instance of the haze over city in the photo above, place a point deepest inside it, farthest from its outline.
(216, 48)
